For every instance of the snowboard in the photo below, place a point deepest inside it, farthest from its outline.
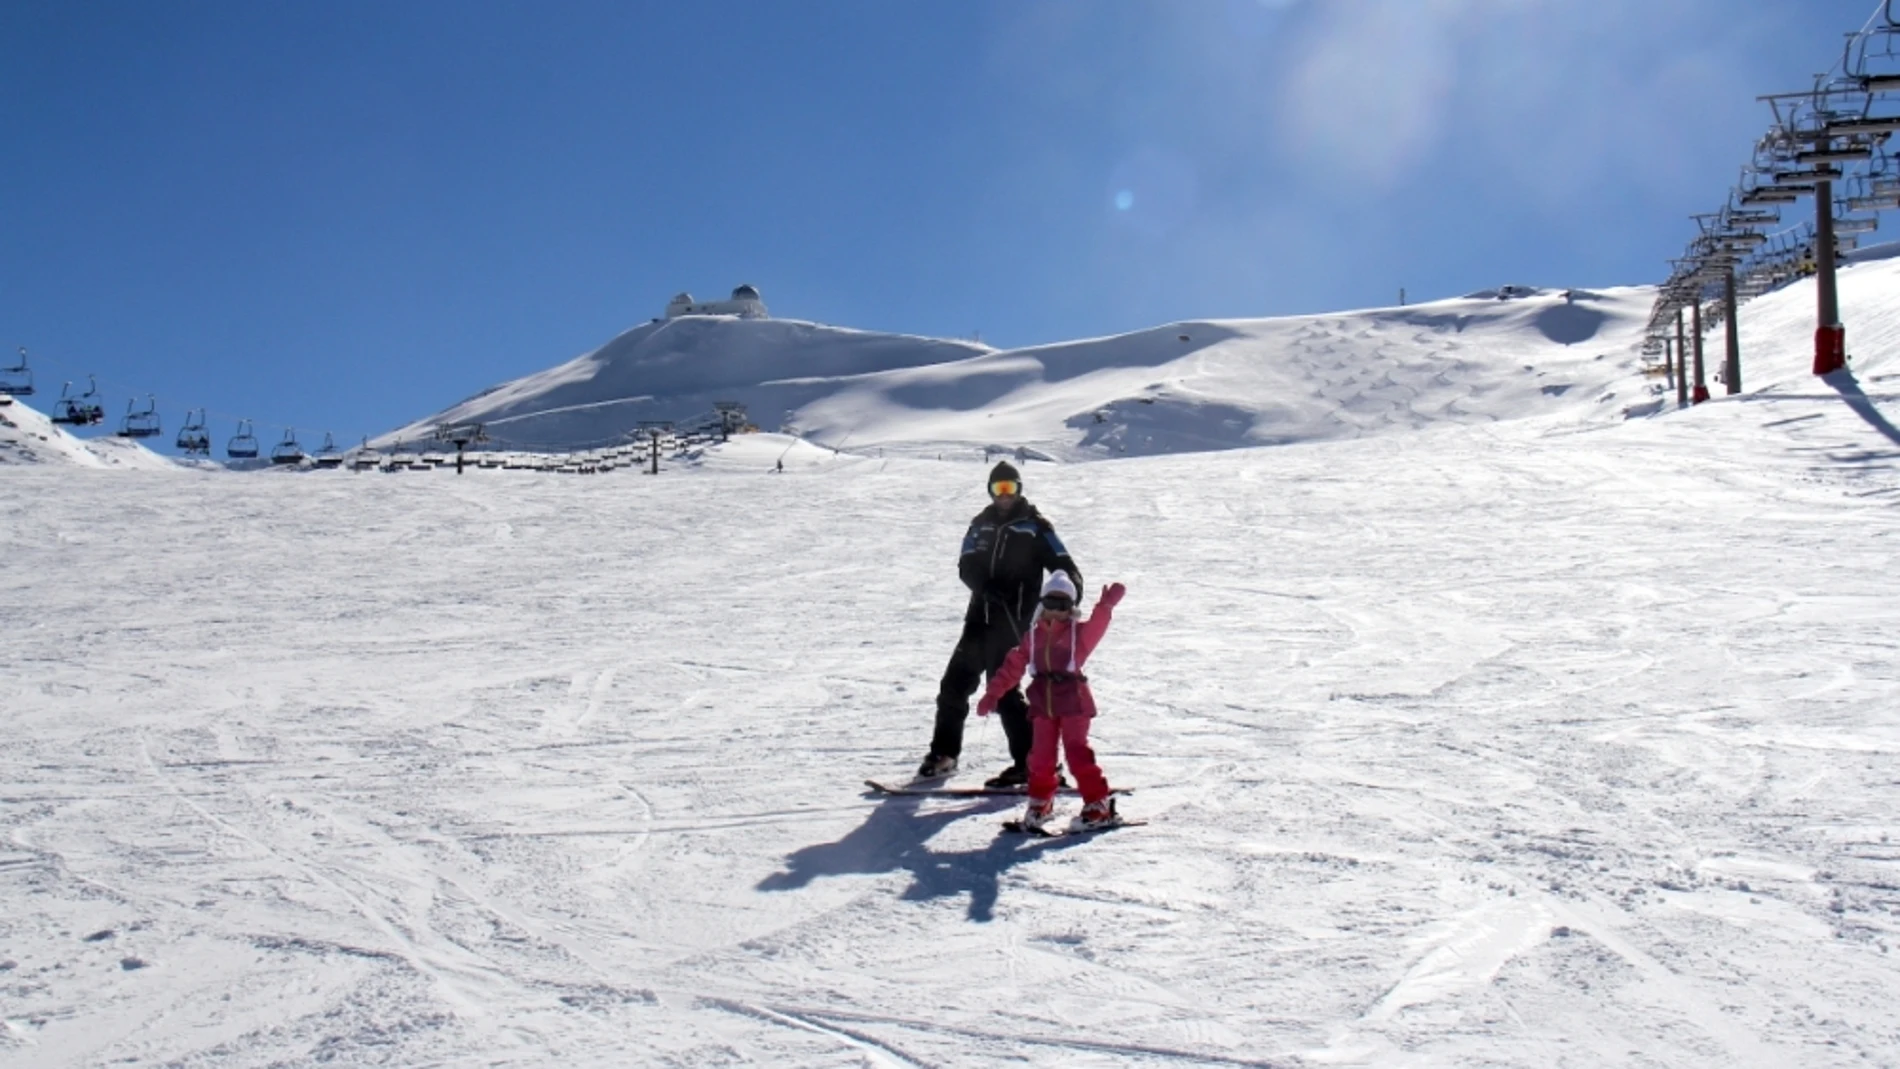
(1017, 827)
(925, 790)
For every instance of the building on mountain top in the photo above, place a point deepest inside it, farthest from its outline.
(745, 303)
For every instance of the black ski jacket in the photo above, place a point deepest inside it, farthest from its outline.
(1003, 559)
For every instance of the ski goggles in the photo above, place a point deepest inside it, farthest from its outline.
(1058, 602)
(1005, 486)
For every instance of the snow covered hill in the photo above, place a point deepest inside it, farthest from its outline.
(675, 369)
(27, 436)
(1182, 387)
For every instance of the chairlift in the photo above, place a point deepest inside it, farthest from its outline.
(17, 380)
(1805, 178)
(243, 445)
(80, 411)
(1874, 202)
(287, 451)
(1867, 46)
(1864, 126)
(142, 423)
(1852, 152)
(329, 456)
(193, 438)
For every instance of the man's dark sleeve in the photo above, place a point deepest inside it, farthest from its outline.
(971, 567)
(1056, 556)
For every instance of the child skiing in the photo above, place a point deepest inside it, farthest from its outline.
(1060, 705)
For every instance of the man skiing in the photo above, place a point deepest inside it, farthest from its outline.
(1005, 552)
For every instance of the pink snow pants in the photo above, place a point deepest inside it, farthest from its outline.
(1073, 733)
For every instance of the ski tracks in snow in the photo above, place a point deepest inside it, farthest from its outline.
(1476, 746)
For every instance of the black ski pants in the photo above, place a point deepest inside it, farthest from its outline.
(980, 651)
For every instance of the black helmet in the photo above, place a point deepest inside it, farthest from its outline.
(1005, 472)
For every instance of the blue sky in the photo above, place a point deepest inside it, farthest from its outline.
(343, 216)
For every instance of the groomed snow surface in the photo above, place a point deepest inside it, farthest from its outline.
(1555, 741)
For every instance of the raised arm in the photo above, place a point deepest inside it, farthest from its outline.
(1090, 631)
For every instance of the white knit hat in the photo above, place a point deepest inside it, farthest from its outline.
(1059, 583)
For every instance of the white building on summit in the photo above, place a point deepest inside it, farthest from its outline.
(745, 303)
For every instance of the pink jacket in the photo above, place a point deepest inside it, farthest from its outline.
(1055, 651)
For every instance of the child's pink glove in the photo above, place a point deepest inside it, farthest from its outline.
(1111, 595)
(985, 705)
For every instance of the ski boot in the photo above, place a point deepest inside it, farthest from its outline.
(936, 766)
(1037, 813)
(1098, 814)
(1013, 778)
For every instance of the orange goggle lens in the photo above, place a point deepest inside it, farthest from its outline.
(1005, 486)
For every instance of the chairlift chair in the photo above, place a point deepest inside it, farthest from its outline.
(329, 456)
(1805, 178)
(142, 423)
(1864, 126)
(243, 445)
(80, 411)
(365, 458)
(287, 451)
(1852, 152)
(193, 438)
(17, 380)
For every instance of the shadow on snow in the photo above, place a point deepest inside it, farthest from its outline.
(893, 838)
(1863, 406)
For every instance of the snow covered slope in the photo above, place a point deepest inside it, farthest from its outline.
(1529, 743)
(1778, 329)
(28, 437)
(1183, 387)
(1548, 737)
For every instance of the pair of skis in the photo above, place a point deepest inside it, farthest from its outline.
(927, 789)
(1017, 827)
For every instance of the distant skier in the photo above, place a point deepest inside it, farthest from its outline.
(1060, 704)
(1005, 552)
